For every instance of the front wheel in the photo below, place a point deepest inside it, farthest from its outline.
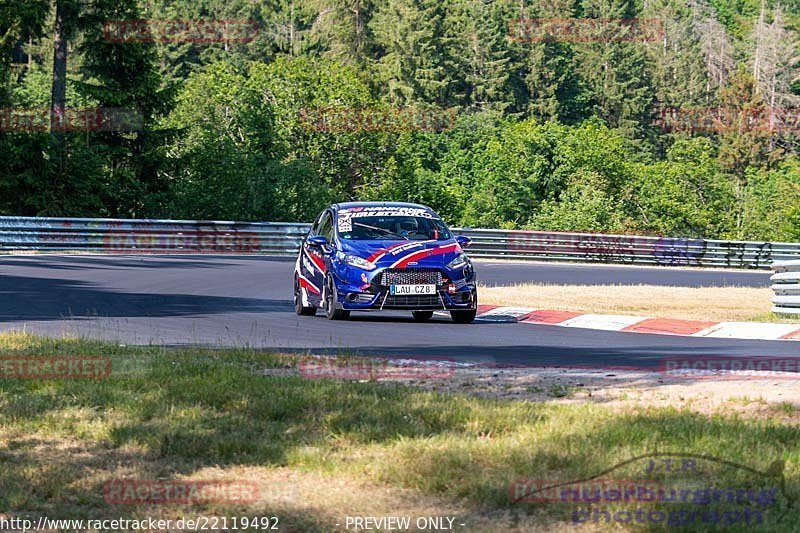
(422, 316)
(468, 315)
(331, 313)
(463, 317)
(299, 308)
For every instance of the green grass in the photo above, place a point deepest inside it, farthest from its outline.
(776, 318)
(168, 413)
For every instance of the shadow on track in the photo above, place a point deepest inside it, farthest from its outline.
(27, 298)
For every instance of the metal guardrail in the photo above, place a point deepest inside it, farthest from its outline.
(786, 284)
(179, 236)
(628, 249)
(149, 236)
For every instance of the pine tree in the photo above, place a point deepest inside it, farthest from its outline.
(20, 21)
(410, 58)
(341, 26)
(775, 66)
(479, 52)
(551, 81)
(615, 70)
(715, 44)
(124, 76)
(679, 75)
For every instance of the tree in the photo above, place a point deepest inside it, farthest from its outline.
(615, 71)
(66, 14)
(479, 54)
(20, 21)
(680, 75)
(715, 44)
(223, 148)
(342, 28)
(554, 88)
(410, 52)
(775, 64)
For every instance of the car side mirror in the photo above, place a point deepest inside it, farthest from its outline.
(463, 241)
(317, 241)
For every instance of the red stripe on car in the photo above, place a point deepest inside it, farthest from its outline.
(424, 253)
(308, 285)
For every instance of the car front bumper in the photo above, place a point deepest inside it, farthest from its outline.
(373, 294)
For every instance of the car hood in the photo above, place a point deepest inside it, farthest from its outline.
(401, 254)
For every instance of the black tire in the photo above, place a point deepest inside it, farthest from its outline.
(422, 316)
(331, 313)
(466, 316)
(299, 308)
(463, 317)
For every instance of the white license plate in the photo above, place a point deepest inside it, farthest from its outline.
(412, 289)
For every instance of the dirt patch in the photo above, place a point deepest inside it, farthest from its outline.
(758, 394)
(688, 303)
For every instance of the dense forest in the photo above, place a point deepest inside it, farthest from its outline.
(562, 126)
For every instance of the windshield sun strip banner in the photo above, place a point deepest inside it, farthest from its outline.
(345, 216)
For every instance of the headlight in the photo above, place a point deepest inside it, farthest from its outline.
(359, 262)
(460, 261)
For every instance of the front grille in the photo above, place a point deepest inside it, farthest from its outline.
(411, 276)
(414, 301)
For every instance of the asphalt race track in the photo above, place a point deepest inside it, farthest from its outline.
(238, 301)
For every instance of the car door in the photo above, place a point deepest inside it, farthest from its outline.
(313, 262)
(326, 230)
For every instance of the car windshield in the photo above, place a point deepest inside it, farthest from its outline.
(398, 228)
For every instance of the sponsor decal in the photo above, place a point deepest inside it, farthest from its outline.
(317, 259)
(309, 265)
(397, 249)
(403, 248)
(344, 224)
(345, 216)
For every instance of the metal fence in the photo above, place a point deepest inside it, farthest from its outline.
(149, 236)
(786, 284)
(176, 236)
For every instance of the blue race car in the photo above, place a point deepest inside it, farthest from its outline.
(364, 256)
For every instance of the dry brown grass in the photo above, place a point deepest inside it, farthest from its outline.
(705, 303)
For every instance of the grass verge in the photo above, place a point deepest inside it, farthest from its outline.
(691, 303)
(321, 449)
